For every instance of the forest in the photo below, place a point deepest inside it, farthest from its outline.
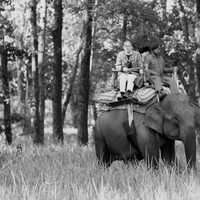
(58, 55)
(56, 58)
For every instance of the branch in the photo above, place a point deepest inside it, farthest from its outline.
(104, 29)
(71, 84)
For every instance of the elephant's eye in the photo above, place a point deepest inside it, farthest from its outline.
(176, 121)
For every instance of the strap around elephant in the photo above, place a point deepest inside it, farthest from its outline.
(130, 114)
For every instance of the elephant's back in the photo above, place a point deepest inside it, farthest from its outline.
(114, 115)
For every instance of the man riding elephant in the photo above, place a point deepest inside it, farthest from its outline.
(154, 70)
(127, 60)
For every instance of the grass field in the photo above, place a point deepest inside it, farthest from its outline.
(71, 172)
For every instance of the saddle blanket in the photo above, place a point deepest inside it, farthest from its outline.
(143, 95)
(140, 108)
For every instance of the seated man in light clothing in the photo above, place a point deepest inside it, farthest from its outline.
(129, 64)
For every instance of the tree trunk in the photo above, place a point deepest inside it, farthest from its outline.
(74, 108)
(24, 95)
(68, 93)
(162, 8)
(57, 73)
(93, 33)
(35, 78)
(124, 28)
(198, 41)
(94, 109)
(20, 82)
(6, 94)
(83, 99)
(41, 66)
(184, 23)
(183, 20)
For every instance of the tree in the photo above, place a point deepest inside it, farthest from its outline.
(6, 93)
(35, 78)
(198, 40)
(41, 66)
(68, 92)
(84, 85)
(183, 20)
(184, 24)
(57, 73)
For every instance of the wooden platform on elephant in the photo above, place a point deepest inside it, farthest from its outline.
(122, 105)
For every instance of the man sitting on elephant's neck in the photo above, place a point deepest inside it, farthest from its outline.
(155, 68)
(129, 64)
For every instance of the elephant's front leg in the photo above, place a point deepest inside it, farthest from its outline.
(168, 152)
(147, 142)
(149, 148)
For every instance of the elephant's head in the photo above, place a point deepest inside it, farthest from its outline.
(196, 114)
(174, 117)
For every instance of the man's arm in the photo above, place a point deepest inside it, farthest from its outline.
(140, 63)
(119, 63)
(168, 70)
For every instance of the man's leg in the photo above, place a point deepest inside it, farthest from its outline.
(158, 86)
(157, 83)
(122, 85)
(122, 82)
(130, 84)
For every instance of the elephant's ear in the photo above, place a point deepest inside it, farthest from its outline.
(154, 118)
(197, 118)
(196, 113)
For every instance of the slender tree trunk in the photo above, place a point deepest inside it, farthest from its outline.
(28, 128)
(20, 82)
(41, 66)
(183, 20)
(184, 23)
(74, 106)
(6, 94)
(124, 28)
(94, 109)
(93, 33)
(68, 93)
(162, 8)
(198, 42)
(24, 82)
(24, 95)
(35, 78)
(84, 76)
(57, 73)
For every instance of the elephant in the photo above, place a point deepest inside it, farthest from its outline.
(172, 118)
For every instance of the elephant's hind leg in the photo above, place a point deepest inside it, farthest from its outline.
(102, 152)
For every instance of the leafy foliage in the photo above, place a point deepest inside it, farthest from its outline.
(145, 26)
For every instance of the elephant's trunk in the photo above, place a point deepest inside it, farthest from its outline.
(188, 137)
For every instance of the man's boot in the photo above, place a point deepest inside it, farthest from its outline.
(161, 95)
(121, 97)
(127, 94)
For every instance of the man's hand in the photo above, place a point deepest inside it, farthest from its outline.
(125, 69)
(175, 69)
(141, 72)
(118, 68)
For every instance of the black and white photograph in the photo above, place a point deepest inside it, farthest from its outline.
(99, 99)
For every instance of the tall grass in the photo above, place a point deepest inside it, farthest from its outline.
(71, 172)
